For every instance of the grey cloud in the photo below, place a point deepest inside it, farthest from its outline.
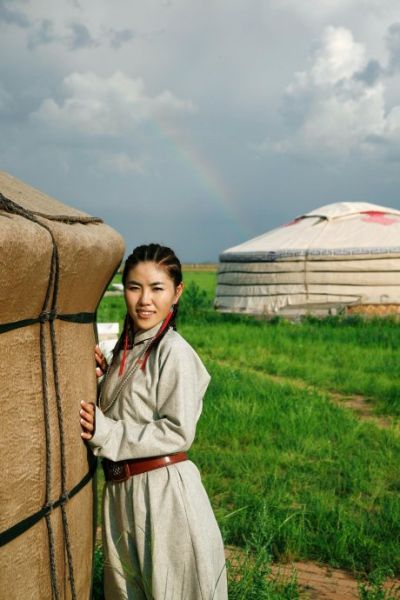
(393, 46)
(5, 99)
(78, 38)
(342, 109)
(295, 108)
(120, 37)
(11, 16)
(201, 189)
(81, 37)
(390, 148)
(374, 70)
(371, 73)
(111, 106)
(43, 34)
(377, 140)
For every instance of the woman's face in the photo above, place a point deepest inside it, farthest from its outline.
(149, 294)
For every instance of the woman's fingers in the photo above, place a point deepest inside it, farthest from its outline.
(100, 359)
(87, 413)
(86, 422)
(88, 406)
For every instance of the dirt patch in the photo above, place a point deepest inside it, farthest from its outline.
(320, 582)
(374, 310)
(200, 267)
(316, 581)
(365, 410)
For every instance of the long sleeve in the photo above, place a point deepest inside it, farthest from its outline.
(179, 391)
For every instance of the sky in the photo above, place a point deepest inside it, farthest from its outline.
(201, 124)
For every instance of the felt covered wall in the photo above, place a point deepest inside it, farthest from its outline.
(55, 263)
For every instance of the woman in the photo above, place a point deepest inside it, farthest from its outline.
(160, 537)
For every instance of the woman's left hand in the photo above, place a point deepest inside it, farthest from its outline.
(101, 362)
(87, 413)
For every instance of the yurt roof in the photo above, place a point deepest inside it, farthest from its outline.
(343, 228)
(36, 201)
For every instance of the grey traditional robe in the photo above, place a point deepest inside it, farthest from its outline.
(160, 537)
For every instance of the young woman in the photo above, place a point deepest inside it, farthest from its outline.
(160, 537)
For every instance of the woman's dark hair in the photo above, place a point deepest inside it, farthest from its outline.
(164, 257)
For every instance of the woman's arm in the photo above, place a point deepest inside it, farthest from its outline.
(181, 386)
(87, 411)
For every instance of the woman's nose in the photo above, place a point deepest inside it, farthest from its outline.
(145, 297)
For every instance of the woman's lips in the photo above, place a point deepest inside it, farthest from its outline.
(145, 314)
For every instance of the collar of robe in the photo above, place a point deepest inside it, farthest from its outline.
(142, 336)
(141, 361)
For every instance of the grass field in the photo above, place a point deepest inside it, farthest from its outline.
(291, 475)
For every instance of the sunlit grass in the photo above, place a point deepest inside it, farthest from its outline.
(349, 356)
(288, 472)
(307, 480)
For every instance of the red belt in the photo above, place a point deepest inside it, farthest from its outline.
(123, 469)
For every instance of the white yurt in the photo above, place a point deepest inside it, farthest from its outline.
(340, 256)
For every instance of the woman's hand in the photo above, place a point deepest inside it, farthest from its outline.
(101, 362)
(87, 413)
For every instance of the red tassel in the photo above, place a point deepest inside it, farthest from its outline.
(159, 332)
(123, 360)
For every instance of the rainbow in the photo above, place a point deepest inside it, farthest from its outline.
(206, 173)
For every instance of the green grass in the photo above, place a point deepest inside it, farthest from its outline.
(206, 280)
(352, 356)
(111, 310)
(302, 478)
(289, 473)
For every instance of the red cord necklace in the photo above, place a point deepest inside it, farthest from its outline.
(143, 361)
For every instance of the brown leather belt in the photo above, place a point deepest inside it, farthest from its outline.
(123, 469)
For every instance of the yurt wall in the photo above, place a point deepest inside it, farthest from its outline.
(55, 264)
(342, 256)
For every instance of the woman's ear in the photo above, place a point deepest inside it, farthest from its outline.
(178, 292)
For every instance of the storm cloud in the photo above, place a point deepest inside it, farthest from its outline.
(202, 124)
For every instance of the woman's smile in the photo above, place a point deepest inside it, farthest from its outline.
(149, 295)
(145, 314)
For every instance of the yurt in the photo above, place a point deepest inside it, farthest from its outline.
(340, 257)
(56, 262)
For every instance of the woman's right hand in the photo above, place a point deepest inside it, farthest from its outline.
(100, 361)
(87, 419)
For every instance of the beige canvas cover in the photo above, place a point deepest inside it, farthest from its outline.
(338, 255)
(55, 265)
